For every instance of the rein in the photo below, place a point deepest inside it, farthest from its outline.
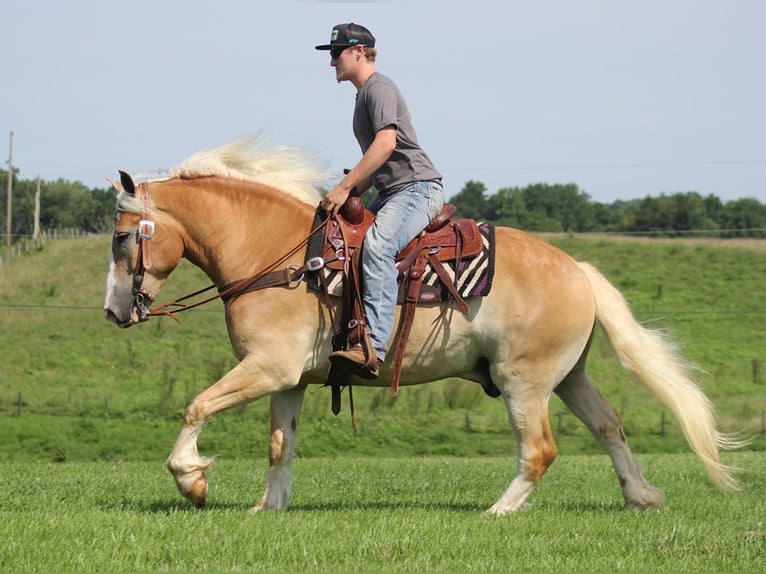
(291, 276)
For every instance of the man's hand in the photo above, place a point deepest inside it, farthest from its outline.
(333, 201)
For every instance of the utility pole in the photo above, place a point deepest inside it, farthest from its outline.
(10, 195)
(36, 231)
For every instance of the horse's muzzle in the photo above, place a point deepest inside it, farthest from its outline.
(139, 312)
(110, 315)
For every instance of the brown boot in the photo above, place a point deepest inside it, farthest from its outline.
(355, 359)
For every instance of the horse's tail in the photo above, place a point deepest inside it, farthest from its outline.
(657, 364)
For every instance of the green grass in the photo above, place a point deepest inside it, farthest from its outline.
(90, 391)
(83, 485)
(408, 514)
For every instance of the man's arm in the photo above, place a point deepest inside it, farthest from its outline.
(360, 176)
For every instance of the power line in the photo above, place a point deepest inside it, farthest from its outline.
(610, 166)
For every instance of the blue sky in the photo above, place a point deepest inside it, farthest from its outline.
(624, 98)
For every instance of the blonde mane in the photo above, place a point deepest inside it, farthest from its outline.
(288, 169)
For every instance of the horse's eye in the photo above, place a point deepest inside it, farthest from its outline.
(121, 236)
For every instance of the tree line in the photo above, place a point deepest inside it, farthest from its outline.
(63, 205)
(565, 208)
(538, 207)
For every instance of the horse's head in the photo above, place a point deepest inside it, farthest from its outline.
(143, 254)
(157, 223)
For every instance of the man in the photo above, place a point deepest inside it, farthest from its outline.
(409, 187)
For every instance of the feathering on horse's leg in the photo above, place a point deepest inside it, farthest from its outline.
(592, 408)
(536, 449)
(285, 415)
(188, 467)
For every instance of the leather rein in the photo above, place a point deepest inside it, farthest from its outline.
(291, 275)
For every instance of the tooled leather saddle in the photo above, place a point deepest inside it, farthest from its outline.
(444, 240)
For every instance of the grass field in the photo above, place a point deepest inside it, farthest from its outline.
(89, 391)
(407, 514)
(88, 414)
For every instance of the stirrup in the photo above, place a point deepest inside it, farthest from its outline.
(368, 373)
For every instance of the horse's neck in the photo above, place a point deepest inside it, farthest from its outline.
(232, 232)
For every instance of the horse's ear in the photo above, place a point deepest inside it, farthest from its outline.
(127, 183)
(115, 184)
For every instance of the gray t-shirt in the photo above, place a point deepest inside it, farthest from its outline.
(379, 104)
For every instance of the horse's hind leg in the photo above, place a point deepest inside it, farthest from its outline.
(536, 448)
(590, 406)
(285, 413)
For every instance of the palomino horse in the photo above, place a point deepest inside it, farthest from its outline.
(240, 208)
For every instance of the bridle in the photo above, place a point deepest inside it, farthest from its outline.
(142, 297)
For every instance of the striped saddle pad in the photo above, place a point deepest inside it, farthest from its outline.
(474, 274)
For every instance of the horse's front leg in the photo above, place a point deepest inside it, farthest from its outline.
(285, 414)
(243, 384)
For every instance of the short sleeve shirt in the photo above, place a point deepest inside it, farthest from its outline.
(380, 104)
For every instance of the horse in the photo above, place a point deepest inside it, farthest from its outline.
(243, 206)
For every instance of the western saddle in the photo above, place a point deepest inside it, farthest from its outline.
(443, 240)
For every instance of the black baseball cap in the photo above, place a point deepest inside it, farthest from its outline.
(349, 35)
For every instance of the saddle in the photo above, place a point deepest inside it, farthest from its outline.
(443, 240)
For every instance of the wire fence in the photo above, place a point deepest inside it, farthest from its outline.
(29, 243)
(561, 423)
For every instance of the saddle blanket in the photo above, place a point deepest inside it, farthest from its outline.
(475, 274)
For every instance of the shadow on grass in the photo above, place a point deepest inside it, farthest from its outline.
(164, 506)
(177, 506)
(377, 506)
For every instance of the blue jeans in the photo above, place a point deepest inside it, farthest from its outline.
(400, 217)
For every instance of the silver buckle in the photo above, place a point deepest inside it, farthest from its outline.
(145, 229)
(315, 264)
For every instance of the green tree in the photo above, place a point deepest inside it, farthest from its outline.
(63, 205)
(673, 214)
(689, 212)
(714, 208)
(470, 201)
(605, 217)
(651, 214)
(507, 207)
(744, 218)
(558, 207)
(58, 204)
